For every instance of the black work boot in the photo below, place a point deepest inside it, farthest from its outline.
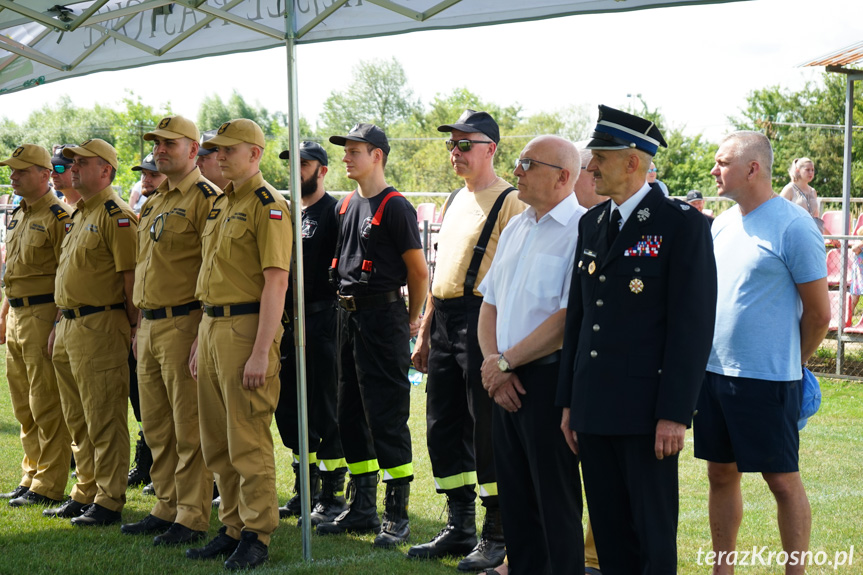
(395, 528)
(249, 553)
(491, 549)
(140, 473)
(292, 507)
(331, 503)
(362, 514)
(458, 537)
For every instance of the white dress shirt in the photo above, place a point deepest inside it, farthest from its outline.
(627, 207)
(529, 278)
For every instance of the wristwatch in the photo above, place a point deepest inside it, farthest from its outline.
(503, 364)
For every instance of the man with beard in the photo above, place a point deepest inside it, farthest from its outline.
(327, 464)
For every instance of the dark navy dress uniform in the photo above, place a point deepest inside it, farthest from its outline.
(638, 333)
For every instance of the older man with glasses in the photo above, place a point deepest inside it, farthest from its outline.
(520, 332)
(458, 409)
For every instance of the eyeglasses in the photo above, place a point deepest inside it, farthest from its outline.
(464, 145)
(158, 227)
(651, 171)
(524, 164)
(60, 169)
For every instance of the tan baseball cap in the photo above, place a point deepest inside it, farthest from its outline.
(236, 131)
(92, 149)
(174, 127)
(27, 155)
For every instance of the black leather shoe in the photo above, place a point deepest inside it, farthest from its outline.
(217, 500)
(221, 545)
(32, 498)
(249, 553)
(67, 510)
(178, 534)
(17, 492)
(96, 515)
(147, 525)
(149, 489)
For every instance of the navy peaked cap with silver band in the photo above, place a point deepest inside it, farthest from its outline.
(618, 130)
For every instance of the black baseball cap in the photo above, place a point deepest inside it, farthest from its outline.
(309, 151)
(147, 164)
(208, 135)
(58, 159)
(694, 195)
(368, 133)
(473, 121)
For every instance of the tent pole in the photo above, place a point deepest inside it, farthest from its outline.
(299, 314)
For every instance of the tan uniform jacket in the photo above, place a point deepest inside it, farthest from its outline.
(33, 239)
(169, 242)
(100, 244)
(459, 233)
(248, 230)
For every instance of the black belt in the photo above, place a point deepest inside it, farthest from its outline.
(553, 357)
(89, 309)
(317, 306)
(232, 310)
(462, 301)
(355, 303)
(32, 300)
(166, 312)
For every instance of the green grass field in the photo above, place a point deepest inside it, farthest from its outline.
(830, 460)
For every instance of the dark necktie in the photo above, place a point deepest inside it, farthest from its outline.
(613, 226)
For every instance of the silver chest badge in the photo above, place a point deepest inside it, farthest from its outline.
(643, 214)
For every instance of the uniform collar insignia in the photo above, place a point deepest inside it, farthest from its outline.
(643, 214)
(601, 215)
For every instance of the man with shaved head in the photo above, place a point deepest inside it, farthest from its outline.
(520, 332)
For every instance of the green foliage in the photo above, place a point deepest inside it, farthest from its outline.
(821, 105)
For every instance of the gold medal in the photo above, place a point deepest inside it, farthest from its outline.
(591, 268)
(636, 285)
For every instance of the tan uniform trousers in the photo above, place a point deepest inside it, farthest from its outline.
(169, 414)
(91, 360)
(235, 424)
(36, 400)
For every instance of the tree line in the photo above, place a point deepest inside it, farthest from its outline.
(800, 123)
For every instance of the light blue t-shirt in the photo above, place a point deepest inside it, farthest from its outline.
(760, 259)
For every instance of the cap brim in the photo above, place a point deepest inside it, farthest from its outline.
(460, 128)
(150, 167)
(202, 151)
(166, 134)
(16, 164)
(597, 144)
(78, 151)
(221, 140)
(284, 154)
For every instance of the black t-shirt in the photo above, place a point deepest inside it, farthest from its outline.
(397, 233)
(320, 229)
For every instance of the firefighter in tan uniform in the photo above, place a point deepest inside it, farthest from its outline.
(247, 245)
(93, 292)
(169, 258)
(34, 234)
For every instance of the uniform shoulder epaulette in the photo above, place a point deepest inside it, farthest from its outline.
(207, 189)
(59, 212)
(113, 208)
(679, 205)
(264, 195)
(15, 211)
(596, 207)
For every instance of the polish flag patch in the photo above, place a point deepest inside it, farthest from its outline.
(275, 214)
(123, 223)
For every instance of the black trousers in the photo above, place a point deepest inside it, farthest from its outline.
(633, 502)
(458, 409)
(321, 389)
(374, 390)
(134, 397)
(540, 489)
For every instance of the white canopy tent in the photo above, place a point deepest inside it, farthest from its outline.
(47, 42)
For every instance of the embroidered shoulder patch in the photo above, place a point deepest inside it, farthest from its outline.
(112, 207)
(214, 213)
(123, 222)
(275, 214)
(58, 212)
(265, 196)
(207, 189)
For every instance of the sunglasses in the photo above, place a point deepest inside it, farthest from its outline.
(158, 227)
(651, 171)
(60, 169)
(463, 145)
(524, 164)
